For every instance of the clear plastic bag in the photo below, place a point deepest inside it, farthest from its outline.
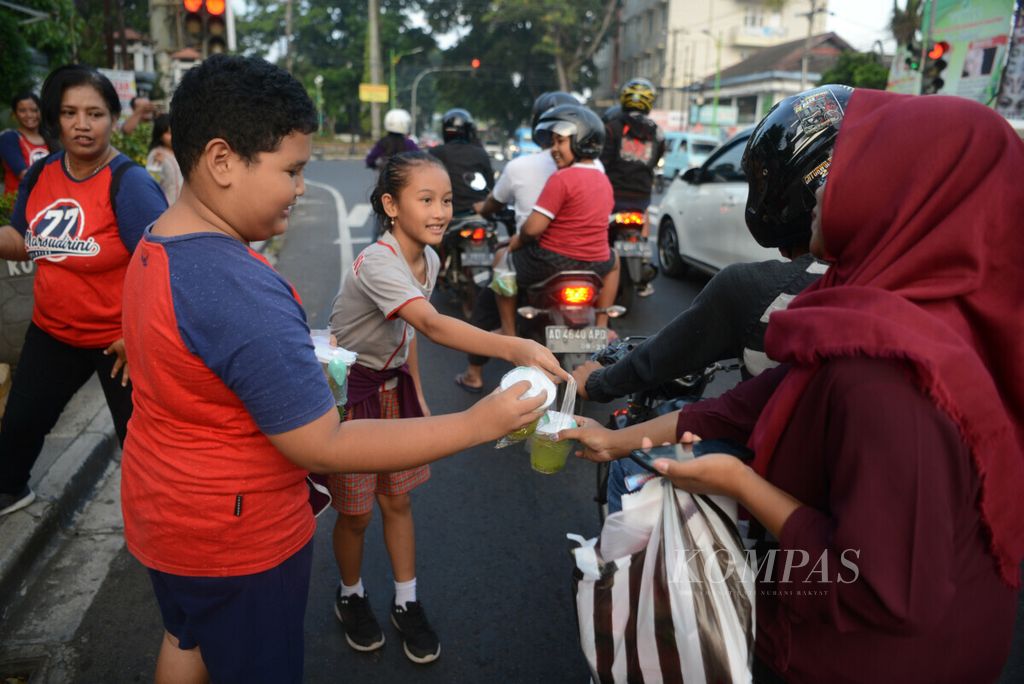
(504, 281)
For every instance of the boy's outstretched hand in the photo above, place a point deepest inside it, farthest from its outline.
(501, 412)
(529, 353)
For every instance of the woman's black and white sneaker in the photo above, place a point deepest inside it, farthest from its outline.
(15, 502)
(418, 638)
(362, 632)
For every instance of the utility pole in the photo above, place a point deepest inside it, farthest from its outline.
(672, 76)
(815, 10)
(373, 10)
(289, 61)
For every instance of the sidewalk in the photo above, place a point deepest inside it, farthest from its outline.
(74, 456)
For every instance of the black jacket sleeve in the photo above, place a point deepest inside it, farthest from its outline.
(706, 332)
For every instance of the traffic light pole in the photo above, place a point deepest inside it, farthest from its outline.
(416, 83)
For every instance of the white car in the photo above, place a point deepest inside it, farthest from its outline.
(700, 219)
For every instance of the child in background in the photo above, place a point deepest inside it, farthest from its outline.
(232, 408)
(160, 161)
(383, 302)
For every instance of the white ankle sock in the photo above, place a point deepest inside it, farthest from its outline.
(355, 590)
(405, 592)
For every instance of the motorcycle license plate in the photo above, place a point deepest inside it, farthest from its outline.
(562, 339)
(633, 249)
(477, 258)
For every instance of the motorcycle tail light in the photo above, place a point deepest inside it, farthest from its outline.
(629, 218)
(583, 294)
(465, 232)
(479, 234)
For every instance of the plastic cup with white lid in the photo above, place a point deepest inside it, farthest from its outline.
(539, 382)
(547, 454)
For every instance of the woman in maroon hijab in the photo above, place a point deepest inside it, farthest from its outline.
(889, 451)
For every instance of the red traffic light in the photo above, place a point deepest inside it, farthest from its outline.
(215, 7)
(193, 5)
(938, 50)
(475, 63)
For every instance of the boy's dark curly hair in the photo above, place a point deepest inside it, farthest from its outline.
(248, 102)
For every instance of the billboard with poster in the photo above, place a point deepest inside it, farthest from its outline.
(124, 84)
(1010, 102)
(978, 36)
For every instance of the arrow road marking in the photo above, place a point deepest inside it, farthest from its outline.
(344, 233)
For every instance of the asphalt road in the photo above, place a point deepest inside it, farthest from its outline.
(494, 567)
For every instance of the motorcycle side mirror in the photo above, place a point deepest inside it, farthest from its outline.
(529, 312)
(613, 311)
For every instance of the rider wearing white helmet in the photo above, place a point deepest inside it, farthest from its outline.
(397, 124)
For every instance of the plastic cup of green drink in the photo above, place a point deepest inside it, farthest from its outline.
(335, 363)
(547, 455)
(539, 383)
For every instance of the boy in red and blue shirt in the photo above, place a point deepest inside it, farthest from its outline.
(232, 409)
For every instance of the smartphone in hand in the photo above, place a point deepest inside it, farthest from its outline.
(647, 457)
(682, 452)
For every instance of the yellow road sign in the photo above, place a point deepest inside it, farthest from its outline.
(373, 92)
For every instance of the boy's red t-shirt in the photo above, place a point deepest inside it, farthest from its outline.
(578, 200)
(221, 357)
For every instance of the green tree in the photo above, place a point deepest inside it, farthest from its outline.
(329, 38)
(857, 69)
(906, 22)
(568, 34)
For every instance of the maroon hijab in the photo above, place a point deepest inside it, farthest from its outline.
(923, 219)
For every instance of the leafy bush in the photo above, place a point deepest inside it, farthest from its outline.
(6, 207)
(134, 144)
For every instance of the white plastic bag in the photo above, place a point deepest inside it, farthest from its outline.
(678, 603)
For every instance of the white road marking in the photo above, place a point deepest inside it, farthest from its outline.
(357, 217)
(344, 234)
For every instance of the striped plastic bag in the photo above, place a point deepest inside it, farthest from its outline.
(678, 604)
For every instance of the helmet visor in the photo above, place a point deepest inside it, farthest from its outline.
(543, 134)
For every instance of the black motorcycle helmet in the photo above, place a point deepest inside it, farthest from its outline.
(582, 126)
(548, 100)
(786, 159)
(457, 124)
(611, 113)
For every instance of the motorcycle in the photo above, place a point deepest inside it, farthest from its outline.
(635, 268)
(467, 257)
(644, 405)
(561, 311)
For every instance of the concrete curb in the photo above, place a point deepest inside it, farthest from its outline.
(60, 492)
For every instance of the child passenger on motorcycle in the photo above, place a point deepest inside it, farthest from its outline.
(568, 229)
(384, 301)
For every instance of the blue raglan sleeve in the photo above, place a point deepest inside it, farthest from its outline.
(242, 319)
(139, 201)
(10, 152)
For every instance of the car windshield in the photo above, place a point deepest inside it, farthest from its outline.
(703, 148)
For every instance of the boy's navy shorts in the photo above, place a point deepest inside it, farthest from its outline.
(248, 628)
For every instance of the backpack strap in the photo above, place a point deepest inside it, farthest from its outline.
(115, 182)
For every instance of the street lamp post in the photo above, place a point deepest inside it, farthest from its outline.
(416, 83)
(318, 80)
(393, 59)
